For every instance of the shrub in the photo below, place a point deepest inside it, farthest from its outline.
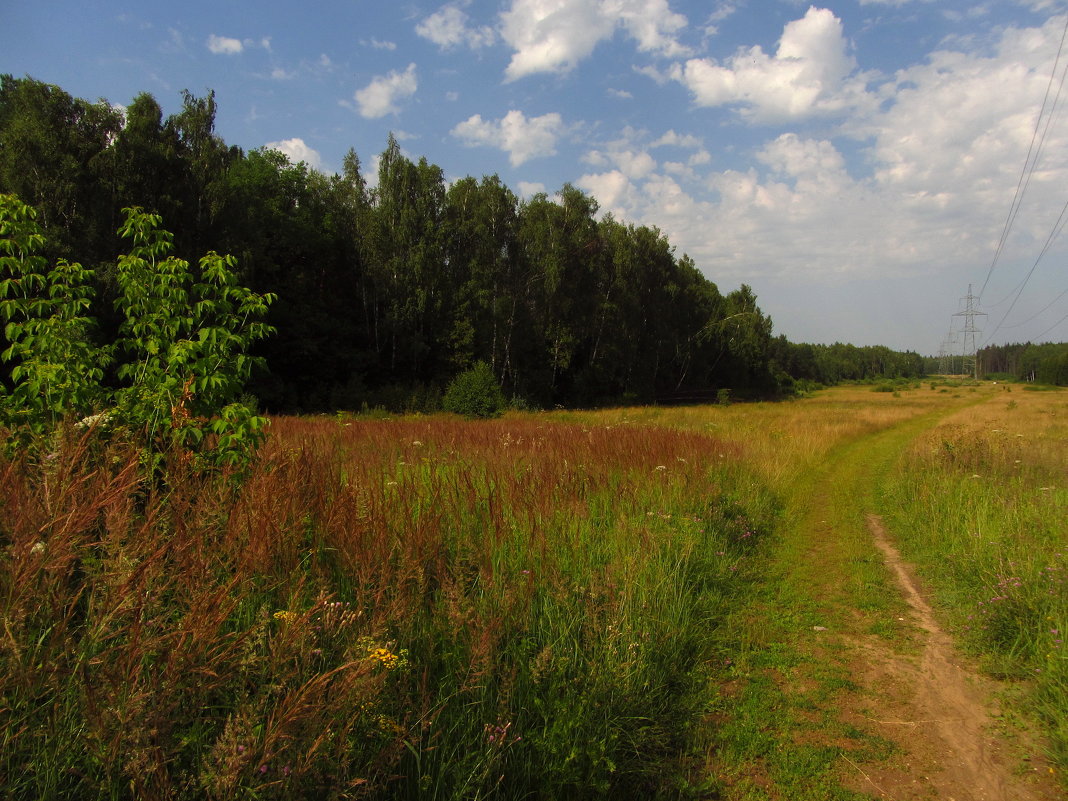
(181, 355)
(475, 393)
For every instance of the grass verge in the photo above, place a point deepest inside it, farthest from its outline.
(981, 505)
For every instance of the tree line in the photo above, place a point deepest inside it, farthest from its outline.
(1045, 363)
(386, 292)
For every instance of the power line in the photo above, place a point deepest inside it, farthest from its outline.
(1039, 337)
(1040, 312)
(1029, 163)
(1058, 226)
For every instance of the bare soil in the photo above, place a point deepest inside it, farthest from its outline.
(941, 713)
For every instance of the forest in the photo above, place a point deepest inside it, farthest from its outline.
(387, 292)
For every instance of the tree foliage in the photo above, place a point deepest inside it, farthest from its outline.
(475, 393)
(181, 352)
(387, 292)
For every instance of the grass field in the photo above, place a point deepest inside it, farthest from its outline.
(982, 506)
(552, 605)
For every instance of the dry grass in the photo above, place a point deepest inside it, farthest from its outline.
(413, 608)
(779, 440)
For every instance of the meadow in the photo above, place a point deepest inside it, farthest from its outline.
(548, 605)
(981, 505)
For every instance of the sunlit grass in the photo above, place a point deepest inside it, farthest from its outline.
(779, 441)
(413, 608)
(564, 604)
(981, 504)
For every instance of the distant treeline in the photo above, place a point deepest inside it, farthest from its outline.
(385, 293)
(1046, 363)
(832, 364)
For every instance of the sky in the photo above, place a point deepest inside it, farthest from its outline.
(862, 164)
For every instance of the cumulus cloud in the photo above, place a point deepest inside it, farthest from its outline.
(528, 189)
(383, 94)
(448, 28)
(632, 163)
(522, 138)
(554, 35)
(613, 190)
(792, 157)
(297, 151)
(224, 45)
(811, 73)
(670, 138)
(942, 153)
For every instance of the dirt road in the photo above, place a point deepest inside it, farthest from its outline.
(907, 684)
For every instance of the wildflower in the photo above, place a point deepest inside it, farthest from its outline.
(661, 467)
(286, 616)
(263, 768)
(384, 656)
(498, 735)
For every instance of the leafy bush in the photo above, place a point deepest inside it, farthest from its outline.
(475, 393)
(182, 345)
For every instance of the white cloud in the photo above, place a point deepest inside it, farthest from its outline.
(280, 74)
(224, 45)
(661, 77)
(632, 163)
(652, 23)
(811, 73)
(672, 139)
(379, 44)
(528, 189)
(382, 95)
(297, 151)
(522, 138)
(612, 190)
(623, 94)
(790, 156)
(927, 194)
(448, 28)
(554, 35)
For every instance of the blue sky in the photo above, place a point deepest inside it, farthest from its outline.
(854, 162)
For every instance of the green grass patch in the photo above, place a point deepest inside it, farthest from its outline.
(979, 505)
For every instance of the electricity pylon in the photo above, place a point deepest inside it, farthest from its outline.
(945, 354)
(969, 332)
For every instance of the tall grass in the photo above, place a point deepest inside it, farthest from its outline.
(981, 504)
(781, 441)
(403, 609)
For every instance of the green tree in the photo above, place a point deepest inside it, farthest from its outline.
(409, 264)
(52, 150)
(57, 368)
(182, 347)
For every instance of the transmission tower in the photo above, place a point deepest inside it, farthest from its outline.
(969, 333)
(945, 354)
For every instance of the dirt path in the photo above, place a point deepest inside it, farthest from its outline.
(947, 706)
(907, 684)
